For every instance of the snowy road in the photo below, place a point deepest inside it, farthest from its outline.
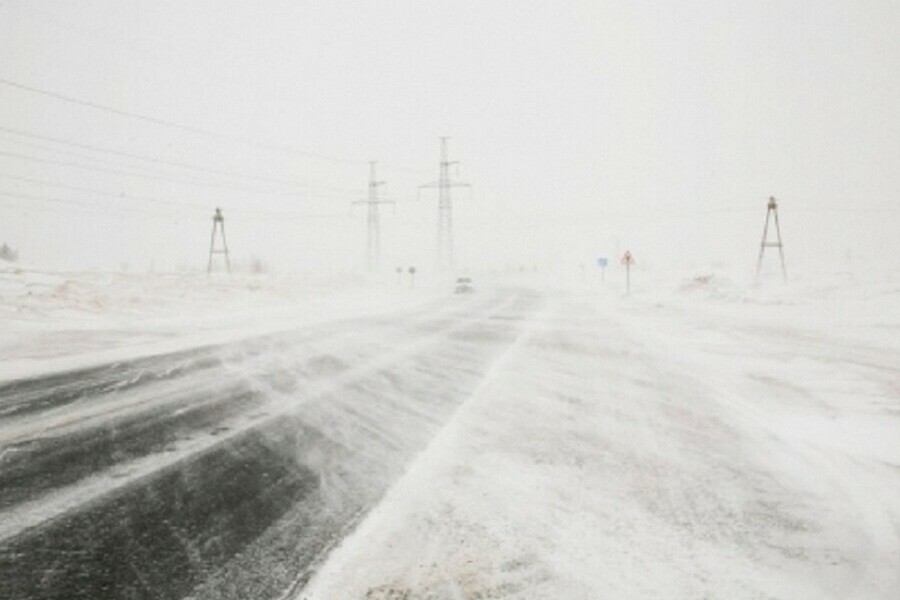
(512, 444)
(228, 472)
(644, 449)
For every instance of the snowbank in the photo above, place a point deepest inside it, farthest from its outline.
(60, 320)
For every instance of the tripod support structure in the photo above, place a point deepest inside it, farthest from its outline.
(771, 212)
(218, 226)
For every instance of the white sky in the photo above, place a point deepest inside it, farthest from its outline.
(585, 128)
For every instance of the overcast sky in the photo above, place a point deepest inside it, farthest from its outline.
(584, 127)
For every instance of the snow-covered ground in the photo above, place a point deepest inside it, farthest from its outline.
(52, 321)
(709, 440)
(703, 437)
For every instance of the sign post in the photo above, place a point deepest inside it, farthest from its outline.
(412, 277)
(602, 262)
(627, 260)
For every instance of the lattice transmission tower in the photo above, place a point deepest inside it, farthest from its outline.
(373, 220)
(445, 209)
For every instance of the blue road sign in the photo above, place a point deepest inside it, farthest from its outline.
(602, 262)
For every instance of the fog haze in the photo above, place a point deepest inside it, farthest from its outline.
(309, 423)
(584, 127)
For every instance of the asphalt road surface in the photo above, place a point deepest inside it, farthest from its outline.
(229, 471)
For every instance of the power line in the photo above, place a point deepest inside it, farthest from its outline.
(172, 207)
(281, 148)
(100, 192)
(156, 176)
(80, 204)
(138, 170)
(31, 207)
(172, 163)
(102, 161)
(165, 177)
(174, 125)
(141, 172)
(155, 200)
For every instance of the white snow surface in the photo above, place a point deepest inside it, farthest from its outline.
(699, 438)
(704, 440)
(53, 321)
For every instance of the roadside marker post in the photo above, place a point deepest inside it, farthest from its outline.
(627, 260)
(602, 262)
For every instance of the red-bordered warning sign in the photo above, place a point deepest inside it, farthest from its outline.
(627, 259)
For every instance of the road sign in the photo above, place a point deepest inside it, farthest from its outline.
(627, 258)
(602, 262)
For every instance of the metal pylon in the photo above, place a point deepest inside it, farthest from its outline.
(373, 222)
(771, 211)
(218, 225)
(445, 209)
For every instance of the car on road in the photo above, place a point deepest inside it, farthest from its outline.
(464, 286)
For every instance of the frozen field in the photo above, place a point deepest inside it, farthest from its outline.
(320, 440)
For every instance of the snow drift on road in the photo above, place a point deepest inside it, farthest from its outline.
(702, 440)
